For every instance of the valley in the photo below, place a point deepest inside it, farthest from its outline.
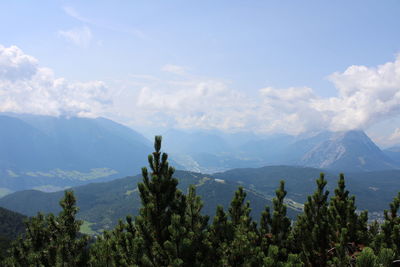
(89, 156)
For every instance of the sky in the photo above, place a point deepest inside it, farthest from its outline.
(262, 66)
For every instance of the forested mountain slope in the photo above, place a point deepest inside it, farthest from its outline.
(105, 203)
(11, 225)
(381, 186)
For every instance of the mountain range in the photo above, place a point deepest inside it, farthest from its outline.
(53, 153)
(349, 151)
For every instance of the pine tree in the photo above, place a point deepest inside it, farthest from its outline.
(312, 227)
(32, 248)
(367, 258)
(280, 223)
(169, 231)
(374, 236)
(101, 251)
(265, 230)
(347, 227)
(119, 247)
(239, 208)
(52, 241)
(386, 257)
(220, 234)
(188, 246)
(241, 248)
(196, 224)
(275, 230)
(342, 211)
(70, 243)
(162, 203)
(391, 227)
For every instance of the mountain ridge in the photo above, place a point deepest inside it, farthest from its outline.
(39, 151)
(348, 151)
(103, 204)
(53, 153)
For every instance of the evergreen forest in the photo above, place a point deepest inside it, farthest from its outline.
(171, 230)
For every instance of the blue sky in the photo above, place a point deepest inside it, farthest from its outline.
(265, 66)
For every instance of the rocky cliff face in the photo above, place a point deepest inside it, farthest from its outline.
(348, 151)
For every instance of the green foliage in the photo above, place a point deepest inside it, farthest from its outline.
(391, 226)
(386, 256)
(275, 230)
(280, 223)
(119, 247)
(50, 240)
(11, 225)
(239, 248)
(312, 229)
(221, 233)
(163, 208)
(367, 258)
(171, 230)
(194, 247)
(346, 226)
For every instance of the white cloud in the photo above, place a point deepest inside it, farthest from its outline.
(365, 96)
(212, 104)
(175, 69)
(14, 64)
(25, 87)
(288, 110)
(78, 36)
(195, 104)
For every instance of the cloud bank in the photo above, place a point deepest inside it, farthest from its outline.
(25, 87)
(365, 96)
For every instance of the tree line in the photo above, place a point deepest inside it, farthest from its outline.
(171, 230)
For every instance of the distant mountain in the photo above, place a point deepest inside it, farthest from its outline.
(393, 153)
(342, 151)
(54, 152)
(103, 204)
(301, 145)
(347, 151)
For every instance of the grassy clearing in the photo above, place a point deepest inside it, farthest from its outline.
(86, 229)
